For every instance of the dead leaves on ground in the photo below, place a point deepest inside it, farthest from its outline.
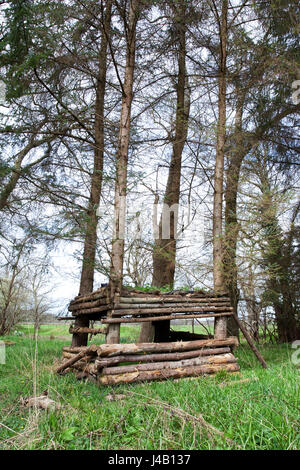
(42, 402)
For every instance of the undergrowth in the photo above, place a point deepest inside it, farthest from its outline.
(260, 411)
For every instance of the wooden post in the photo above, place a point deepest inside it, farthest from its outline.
(220, 328)
(80, 339)
(113, 329)
(113, 334)
(250, 342)
(147, 333)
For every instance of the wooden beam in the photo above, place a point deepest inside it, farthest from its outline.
(101, 293)
(141, 376)
(82, 305)
(141, 310)
(197, 361)
(74, 349)
(161, 318)
(170, 299)
(176, 356)
(94, 310)
(111, 350)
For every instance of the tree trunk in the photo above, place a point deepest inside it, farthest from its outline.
(89, 251)
(117, 253)
(237, 155)
(164, 251)
(219, 168)
(285, 315)
(278, 265)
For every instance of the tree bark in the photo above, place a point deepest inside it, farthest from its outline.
(112, 350)
(90, 241)
(219, 167)
(161, 319)
(196, 361)
(142, 376)
(236, 158)
(101, 363)
(86, 352)
(278, 265)
(160, 309)
(164, 250)
(117, 252)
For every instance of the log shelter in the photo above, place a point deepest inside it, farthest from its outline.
(184, 354)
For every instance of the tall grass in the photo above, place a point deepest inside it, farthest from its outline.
(258, 414)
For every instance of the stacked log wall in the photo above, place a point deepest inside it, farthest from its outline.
(109, 364)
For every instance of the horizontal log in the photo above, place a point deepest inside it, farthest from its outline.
(142, 376)
(102, 300)
(110, 350)
(92, 331)
(173, 305)
(90, 351)
(94, 310)
(170, 299)
(81, 363)
(197, 361)
(68, 355)
(140, 310)
(101, 363)
(161, 318)
(74, 349)
(177, 293)
(81, 305)
(101, 293)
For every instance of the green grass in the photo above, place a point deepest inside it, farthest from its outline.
(259, 414)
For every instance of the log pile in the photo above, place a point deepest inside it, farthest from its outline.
(134, 306)
(139, 307)
(113, 364)
(95, 304)
(186, 355)
(91, 331)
